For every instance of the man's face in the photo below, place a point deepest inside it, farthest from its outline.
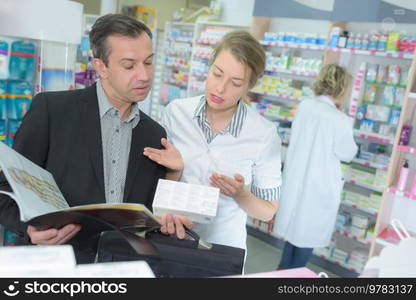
(128, 76)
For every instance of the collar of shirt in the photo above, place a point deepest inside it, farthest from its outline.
(327, 100)
(237, 121)
(105, 107)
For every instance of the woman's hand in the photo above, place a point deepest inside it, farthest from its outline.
(233, 187)
(169, 157)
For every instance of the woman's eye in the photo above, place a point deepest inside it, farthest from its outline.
(216, 74)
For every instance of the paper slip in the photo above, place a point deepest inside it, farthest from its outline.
(198, 202)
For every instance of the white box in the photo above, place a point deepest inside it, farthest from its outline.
(197, 202)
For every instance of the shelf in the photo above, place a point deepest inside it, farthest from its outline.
(175, 83)
(278, 118)
(383, 242)
(370, 212)
(292, 45)
(353, 237)
(406, 149)
(396, 192)
(318, 260)
(385, 84)
(180, 40)
(177, 66)
(297, 73)
(374, 137)
(339, 263)
(369, 164)
(367, 186)
(388, 54)
(275, 95)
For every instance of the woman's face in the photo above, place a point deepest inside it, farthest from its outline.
(227, 82)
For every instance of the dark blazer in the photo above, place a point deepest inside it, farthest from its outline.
(62, 133)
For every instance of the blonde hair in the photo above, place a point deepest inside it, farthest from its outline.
(245, 49)
(333, 80)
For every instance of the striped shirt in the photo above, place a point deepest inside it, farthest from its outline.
(234, 128)
(116, 140)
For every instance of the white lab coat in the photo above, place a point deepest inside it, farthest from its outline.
(321, 137)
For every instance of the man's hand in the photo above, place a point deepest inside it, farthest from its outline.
(52, 236)
(175, 224)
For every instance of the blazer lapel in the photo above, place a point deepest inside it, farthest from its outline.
(136, 157)
(92, 124)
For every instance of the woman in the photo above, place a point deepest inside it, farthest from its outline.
(226, 144)
(321, 138)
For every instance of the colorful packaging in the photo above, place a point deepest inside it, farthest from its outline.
(373, 41)
(404, 76)
(393, 41)
(399, 98)
(22, 61)
(19, 99)
(388, 96)
(361, 111)
(3, 124)
(370, 93)
(394, 117)
(382, 43)
(393, 76)
(3, 100)
(371, 75)
(367, 125)
(4, 60)
(382, 73)
(12, 127)
(377, 113)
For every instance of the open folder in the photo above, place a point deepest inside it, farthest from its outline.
(42, 204)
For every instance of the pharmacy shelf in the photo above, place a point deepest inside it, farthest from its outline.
(396, 192)
(383, 242)
(388, 54)
(338, 263)
(175, 83)
(326, 264)
(369, 164)
(179, 40)
(367, 186)
(406, 149)
(281, 96)
(292, 72)
(277, 118)
(352, 237)
(374, 137)
(385, 84)
(367, 211)
(292, 45)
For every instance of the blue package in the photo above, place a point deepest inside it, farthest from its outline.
(19, 99)
(22, 61)
(3, 130)
(394, 117)
(361, 111)
(3, 99)
(4, 60)
(12, 127)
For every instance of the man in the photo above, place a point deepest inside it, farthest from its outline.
(92, 140)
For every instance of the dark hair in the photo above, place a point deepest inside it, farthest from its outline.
(113, 24)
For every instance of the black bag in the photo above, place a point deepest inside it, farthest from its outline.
(176, 258)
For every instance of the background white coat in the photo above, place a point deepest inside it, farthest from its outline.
(321, 137)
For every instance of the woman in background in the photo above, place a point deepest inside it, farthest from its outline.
(321, 137)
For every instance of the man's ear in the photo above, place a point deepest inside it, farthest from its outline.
(100, 67)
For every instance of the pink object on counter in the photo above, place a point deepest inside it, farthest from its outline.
(290, 273)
